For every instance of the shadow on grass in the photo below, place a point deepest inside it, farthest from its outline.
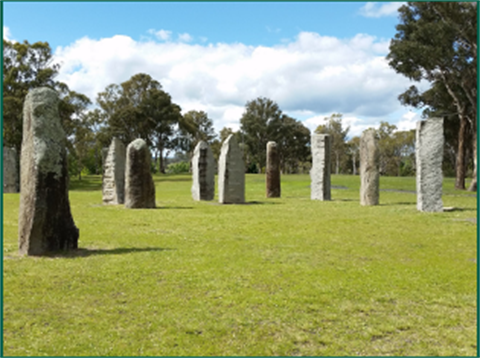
(174, 207)
(91, 252)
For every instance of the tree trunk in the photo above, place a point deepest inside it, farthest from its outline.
(162, 164)
(354, 165)
(473, 184)
(460, 160)
(337, 164)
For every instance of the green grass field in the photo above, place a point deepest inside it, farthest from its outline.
(287, 276)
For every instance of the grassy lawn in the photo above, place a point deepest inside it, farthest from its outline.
(287, 276)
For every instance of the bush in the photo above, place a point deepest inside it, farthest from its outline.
(179, 167)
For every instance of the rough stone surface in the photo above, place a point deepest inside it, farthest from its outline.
(273, 171)
(10, 170)
(113, 183)
(45, 222)
(429, 155)
(369, 169)
(231, 173)
(320, 172)
(203, 172)
(139, 187)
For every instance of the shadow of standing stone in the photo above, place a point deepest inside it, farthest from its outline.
(45, 222)
(203, 172)
(139, 186)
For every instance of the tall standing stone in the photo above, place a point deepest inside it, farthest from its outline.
(10, 170)
(231, 173)
(320, 172)
(45, 222)
(113, 183)
(139, 187)
(369, 168)
(203, 172)
(429, 155)
(273, 171)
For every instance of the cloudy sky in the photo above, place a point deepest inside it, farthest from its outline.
(312, 58)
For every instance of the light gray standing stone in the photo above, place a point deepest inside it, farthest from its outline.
(45, 222)
(429, 155)
(113, 183)
(10, 170)
(320, 172)
(369, 168)
(231, 173)
(139, 186)
(203, 172)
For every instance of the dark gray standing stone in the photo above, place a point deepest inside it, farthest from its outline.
(203, 172)
(45, 222)
(369, 168)
(10, 170)
(113, 184)
(320, 172)
(139, 186)
(429, 155)
(273, 171)
(231, 173)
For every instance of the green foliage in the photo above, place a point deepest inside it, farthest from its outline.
(275, 277)
(178, 168)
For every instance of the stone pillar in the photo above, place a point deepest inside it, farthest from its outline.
(273, 171)
(429, 157)
(203, 172)
(45, 223)
(369, 168)
(231, 173)
(113, 182)
(10, 170)
(139, 186)
(320, 172)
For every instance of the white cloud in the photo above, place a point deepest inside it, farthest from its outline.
(372, 9)
(409, 121)
(311, 75)
(163, 35)
(7, 35)
(185, 37)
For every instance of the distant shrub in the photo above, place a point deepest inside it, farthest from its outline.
(179, 167)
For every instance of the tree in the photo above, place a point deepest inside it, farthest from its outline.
(437, 42)
(353, 149)
(259, 123)
(139, 108)
(338, 134)
(293, 140)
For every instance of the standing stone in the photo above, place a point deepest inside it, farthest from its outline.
(429, 156)
(203, 172)
(139, 187)
(231, 173)
(273, 171)
(45, 222)
(10, 170)
(113, 183)
(320, 172)
(369, 168)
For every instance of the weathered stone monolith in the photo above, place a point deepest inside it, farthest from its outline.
(113, 185)
(429, 155)
(45, 222)
(203, 172)
(231, 173)
(369, 170)
(139, 186)
(320, 172)
(10, 170)
(273, 171)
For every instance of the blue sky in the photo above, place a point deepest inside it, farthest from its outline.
(312, 58)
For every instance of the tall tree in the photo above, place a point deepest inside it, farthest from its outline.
(437, 42)
(334, 128)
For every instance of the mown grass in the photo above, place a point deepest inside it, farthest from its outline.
(287, 276)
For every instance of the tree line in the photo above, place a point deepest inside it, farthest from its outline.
(434, 42)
